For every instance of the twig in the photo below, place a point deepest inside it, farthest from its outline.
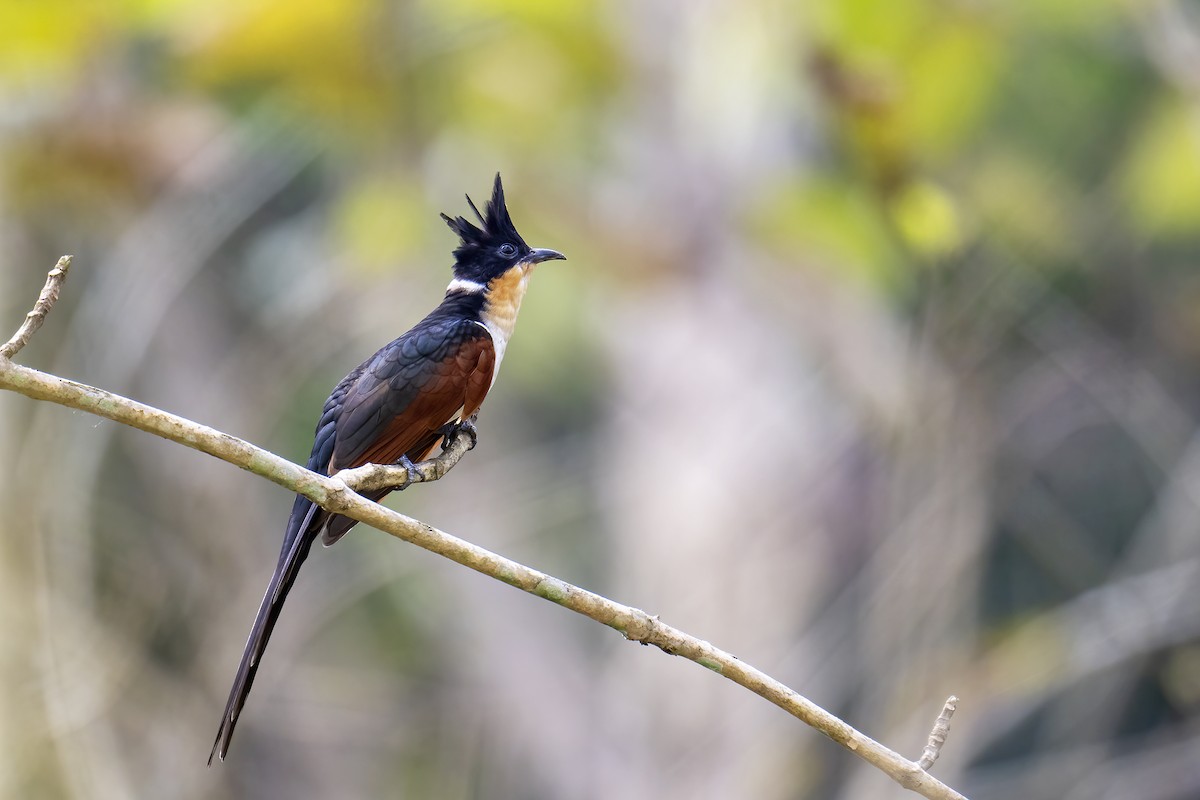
(937, 736)
(45, 301)
(372, 477)
(334, 494)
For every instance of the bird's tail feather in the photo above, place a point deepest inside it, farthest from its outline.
(264, 623)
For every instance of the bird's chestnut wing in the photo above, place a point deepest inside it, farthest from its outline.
(434, 374)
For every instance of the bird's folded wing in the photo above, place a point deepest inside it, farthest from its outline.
(430, 376)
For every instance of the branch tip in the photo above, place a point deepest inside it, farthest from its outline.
(35, 318)
(937, 736)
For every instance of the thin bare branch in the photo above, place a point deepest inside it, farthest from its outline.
(373, 477)
(334, 494)
(937, 736)
(45, 301)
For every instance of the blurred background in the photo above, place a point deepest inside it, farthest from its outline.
(876, 362)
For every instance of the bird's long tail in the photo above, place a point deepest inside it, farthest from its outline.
(295, 551)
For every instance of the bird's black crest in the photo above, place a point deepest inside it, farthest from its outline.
(475, 241)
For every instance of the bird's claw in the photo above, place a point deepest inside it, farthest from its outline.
(467, 426)
(410, 476)
(454, 429)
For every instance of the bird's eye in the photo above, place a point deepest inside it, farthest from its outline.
(508, 250)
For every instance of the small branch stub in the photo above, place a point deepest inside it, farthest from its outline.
(35, 318)
(937, 736)
(460, 440)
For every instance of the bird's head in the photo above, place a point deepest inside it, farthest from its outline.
(487, 252)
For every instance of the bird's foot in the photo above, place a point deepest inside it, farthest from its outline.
(454, 429)
(411, 469)
(467, 426)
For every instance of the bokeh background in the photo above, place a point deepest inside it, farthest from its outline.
(876, 362)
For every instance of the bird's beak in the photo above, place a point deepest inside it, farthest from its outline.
(540, 254)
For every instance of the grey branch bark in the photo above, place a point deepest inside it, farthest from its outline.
(336, 494)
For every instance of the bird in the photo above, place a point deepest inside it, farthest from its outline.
(397, 406)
